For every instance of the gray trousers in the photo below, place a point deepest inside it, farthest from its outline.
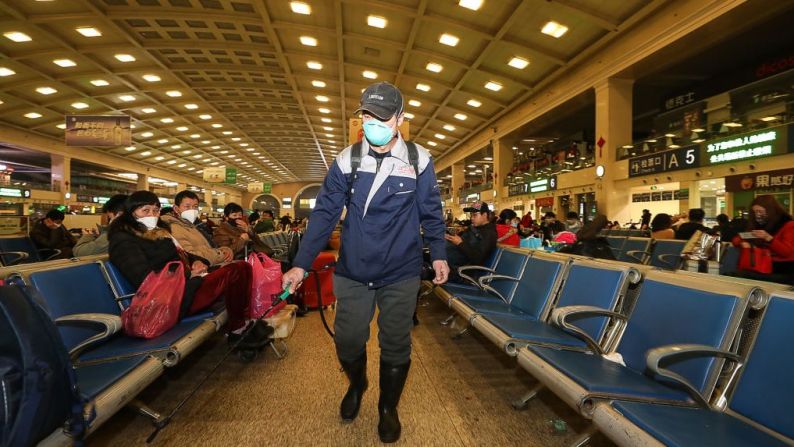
(354, 310)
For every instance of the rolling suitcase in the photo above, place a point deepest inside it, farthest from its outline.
(308, 289)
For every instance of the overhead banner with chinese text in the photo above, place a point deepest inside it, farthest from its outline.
(98, 130)
(748, 146)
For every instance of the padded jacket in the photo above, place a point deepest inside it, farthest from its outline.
(781, 246)
(58, 239)
(138, 254)
(192, 240)
(381, 241)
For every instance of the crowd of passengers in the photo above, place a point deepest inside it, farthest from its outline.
(769, 227)
(141, 238)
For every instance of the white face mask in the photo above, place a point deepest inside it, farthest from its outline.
(189, 215)
(150, 222)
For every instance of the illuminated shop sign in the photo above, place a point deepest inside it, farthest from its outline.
(783, 178)
(673, 160)
(14, 192)
(764, 143)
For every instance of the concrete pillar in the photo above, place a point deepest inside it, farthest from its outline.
(458, 178)
(502, 165)
(181, 187)
(143, 182)
(613, 111)
(61, 172)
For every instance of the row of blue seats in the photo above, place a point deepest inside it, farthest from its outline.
(661, 253)
(85, 298)
(22, 250)
(625, 232)
(653, 357)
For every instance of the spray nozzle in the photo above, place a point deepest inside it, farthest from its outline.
(285, 293)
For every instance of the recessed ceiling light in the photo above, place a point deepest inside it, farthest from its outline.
(474, 103)
(554, 29)
(162, 141)
(6, 72)
(470, 4)
(159, 157)
(325, 120)
(217, 125)
(174, 93)
(32, 115)
(149, 110)
(181, 165)
(195, 135)
(300, 8)
(309, 41)
(415, 103)
(330, 129)
(324, 110)
(440, 136)
(423, 87)
(100, 83)
(61, 126)
(376, 21)
(518, 62)
(197, 156)
(64, 63)
(166, 120)
(460, 116)
(449, 39)
(127, 98)
(227, 132)
(321, 98)
(145, 153)
(171, 162)
(369, 74)
(432, 143)
(449, 127)
(181, 128)
(79, 105)
(205, 117)
(147, 135)
(125, 57)
(46, 90)
(434, 67)
(17, 36)
(492, 85)
(313, 65)
(409, 115)
(151, 78)
(318, 84)
(88, 31)
(129, 148)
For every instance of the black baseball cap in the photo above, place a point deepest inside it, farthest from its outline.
(383, 100)
(477, 207)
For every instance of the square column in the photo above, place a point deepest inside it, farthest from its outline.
(143, 182)
(613, 111)
(61, 172)
(502, 165)
(458, 178)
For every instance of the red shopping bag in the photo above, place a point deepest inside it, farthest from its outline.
(155, 306)
(265, 285)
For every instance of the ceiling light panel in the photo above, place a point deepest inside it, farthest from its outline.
(314, 65)
(300, 8)
(89, 31)
(434, 67)
(493, 85)
(376, 21)
(318, 84)
(100, 83)
(64, 63)
(6, 72)
(554, 29)
(470, 4)
(473, 103)
(449, 39)
(125, 57)
(518, 62)
(308, 41)
(17, 36)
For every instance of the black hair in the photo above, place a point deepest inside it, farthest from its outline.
(253, 217)
(127, 222)
(232, 208)
(573, 215)
(549, 215)
(268, 212)
(696, 214)
(661, 222)
(54, 214)
(186, 194)
(723, 219)
(506, 216)
(115, 204)
(166, 209)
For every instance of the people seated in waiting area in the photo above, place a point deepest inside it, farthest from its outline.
(95, 241)
(266, 223)
(695, 223)
(473, 245)
(589, 243)
(772, 229)
(662, 227)
(49, 233)
(235, 233)
(181, 222)
(141, 243)
(507, 228)
(572, 222)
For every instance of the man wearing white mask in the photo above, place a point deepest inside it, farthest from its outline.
(182, 222)
(389, 188)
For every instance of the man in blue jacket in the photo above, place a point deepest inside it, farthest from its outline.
(380, 259)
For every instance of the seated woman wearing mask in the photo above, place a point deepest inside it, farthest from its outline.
(507, 228)
(770, 227)
(235, 232)
(141, 243)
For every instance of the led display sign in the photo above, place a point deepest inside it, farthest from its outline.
(759, 144)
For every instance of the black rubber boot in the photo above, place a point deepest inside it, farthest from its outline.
(356, 372)
(392, 380)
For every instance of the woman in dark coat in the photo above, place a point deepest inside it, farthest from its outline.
(141, 243)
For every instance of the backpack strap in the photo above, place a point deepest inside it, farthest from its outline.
(355, 162)
(413, 157)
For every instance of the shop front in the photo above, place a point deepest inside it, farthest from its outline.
(746, 187)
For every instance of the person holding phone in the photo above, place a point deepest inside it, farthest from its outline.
(235, 232)
(771, 227)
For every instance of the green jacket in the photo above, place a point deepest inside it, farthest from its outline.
(264, 226)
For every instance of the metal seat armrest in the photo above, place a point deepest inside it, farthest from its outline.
(485, 284)
(672, 353)
(639, 255)
(21, 256)
(673, 260)
(111, 323)
(471, 279)
(55, 253)
(560, 316)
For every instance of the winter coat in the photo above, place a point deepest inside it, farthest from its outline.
(54, 239)
(193, 241)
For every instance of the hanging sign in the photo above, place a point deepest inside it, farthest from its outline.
(673, 160)
(98, 130)
(748, 146)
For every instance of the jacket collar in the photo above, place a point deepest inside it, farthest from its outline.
(400, 150)
(172, 218)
